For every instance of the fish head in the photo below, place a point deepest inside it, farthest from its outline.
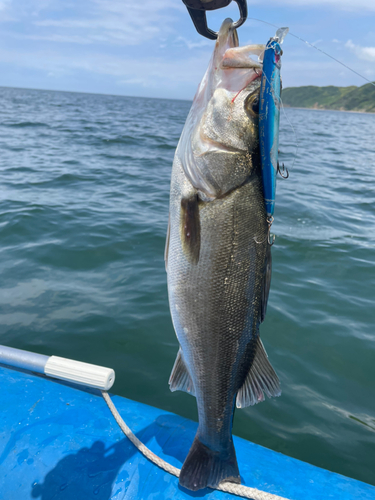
(230, 121)
(221, 134)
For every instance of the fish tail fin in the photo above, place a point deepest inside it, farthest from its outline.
(204, 467)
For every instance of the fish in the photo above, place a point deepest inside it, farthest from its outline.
(218, 259)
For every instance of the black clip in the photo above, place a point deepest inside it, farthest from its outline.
(197, 10)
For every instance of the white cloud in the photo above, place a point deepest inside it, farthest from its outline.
(119, 22)
(56, 38)
(194, 45)
(124, 45)
(337, 4)
(364, 53)
(147, 72)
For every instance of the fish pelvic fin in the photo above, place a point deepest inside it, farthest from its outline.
(204, 467)
(180, 379)
(260, 381)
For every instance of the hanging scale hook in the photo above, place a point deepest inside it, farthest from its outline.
(197, 10)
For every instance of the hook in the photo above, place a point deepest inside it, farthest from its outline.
(197, 10)
(269, 222)
(282, 172)
(270, 238)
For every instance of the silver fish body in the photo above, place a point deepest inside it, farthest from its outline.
(219, 261)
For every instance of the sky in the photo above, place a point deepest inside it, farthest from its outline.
(150, 47)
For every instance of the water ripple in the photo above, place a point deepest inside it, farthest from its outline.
(83, 216)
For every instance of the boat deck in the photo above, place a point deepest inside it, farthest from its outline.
(59, 441)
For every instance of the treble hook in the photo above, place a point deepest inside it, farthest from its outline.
(282, 172)
(270, 240)
(269, 222)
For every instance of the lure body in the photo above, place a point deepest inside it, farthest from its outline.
(269, 117)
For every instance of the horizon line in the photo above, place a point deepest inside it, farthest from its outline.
(95, 93)
(149, 97)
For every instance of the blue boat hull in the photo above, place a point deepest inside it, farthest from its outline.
(60, 442)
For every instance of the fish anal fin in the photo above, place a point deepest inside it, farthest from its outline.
(190, 228)
(180, 379)
(260, 381)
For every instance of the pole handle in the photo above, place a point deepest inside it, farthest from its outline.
(80, 373)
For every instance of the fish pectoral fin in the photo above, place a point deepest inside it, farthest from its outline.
(190, 228)
(180, 379)
(260, 380)
(266, 284)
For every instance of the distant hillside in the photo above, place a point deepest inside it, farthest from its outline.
(342, 98)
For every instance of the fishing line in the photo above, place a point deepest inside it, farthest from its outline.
(295, 135)
(317, 48)
(294, 132)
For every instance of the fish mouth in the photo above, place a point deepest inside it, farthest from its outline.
(228, 54)
(239, 57)
(233, 65)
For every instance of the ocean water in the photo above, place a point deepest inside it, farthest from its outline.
(83, 216)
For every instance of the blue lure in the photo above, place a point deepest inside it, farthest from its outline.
(269, 117)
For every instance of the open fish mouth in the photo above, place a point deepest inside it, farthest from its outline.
(239, 57)
(229, 56)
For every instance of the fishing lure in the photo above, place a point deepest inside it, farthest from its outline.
(269, 117)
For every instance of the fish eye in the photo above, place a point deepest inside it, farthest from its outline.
(252, 104)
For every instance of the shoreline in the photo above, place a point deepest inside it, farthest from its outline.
(329, 109)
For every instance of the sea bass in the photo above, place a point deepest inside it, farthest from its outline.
(218, 259)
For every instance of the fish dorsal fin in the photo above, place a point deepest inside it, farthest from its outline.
(180, 379)
(266, 284)
(260, 380)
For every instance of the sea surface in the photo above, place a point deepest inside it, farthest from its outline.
(83, 217)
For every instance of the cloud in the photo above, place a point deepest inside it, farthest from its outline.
(148, 72)
(124, 46)
(194, 45)
(337, 4)
(55, 38)
(364, 53)
(119, 22)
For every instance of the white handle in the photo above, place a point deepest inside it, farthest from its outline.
(80, 373)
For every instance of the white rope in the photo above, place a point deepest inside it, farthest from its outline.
(235, 489)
